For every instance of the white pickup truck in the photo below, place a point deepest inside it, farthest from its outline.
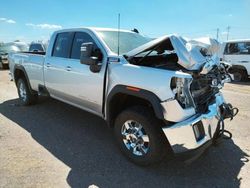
(161, 96)
(237, 54)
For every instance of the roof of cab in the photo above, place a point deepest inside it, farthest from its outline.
(92, 29)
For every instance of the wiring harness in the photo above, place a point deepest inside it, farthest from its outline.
(227, 111)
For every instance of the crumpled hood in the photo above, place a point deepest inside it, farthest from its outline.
(189, 52)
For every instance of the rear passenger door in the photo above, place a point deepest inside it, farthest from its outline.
(55, 68)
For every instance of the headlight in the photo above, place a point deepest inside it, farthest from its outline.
(181, 90)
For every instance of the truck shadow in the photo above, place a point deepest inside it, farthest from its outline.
(246, 82)
(84, 143)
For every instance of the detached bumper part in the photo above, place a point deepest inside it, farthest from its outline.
(195, 131)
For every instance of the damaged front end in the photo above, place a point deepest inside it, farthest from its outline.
(201, 93)
(206, 123)
(197, 111)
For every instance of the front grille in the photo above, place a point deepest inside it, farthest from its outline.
(203, 94)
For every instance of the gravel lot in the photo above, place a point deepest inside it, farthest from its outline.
(56, 145)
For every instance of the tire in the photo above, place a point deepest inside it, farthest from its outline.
(3, 66)
(155, 145)
(239, 75)
(25, 95)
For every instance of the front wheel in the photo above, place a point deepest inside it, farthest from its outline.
(140, 137)
(239, 75)
(25, 95)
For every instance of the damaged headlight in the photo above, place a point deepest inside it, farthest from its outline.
(181, 90)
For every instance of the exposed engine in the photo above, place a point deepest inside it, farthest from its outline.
(204, 87)
(200, 91)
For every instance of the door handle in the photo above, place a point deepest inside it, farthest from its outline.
(68, 68)
(48, 65)
(244, 61)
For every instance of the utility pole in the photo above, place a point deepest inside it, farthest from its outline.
(118, 40)
(217, 34)
(228, 29)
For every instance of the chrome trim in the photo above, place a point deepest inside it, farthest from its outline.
(135, 138)
(22, 92)
(173, 111)
(181, 135)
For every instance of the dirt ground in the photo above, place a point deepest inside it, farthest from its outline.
(53, 144)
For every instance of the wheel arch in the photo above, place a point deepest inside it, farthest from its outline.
(237, 67)
(122, 97)
(19, 72)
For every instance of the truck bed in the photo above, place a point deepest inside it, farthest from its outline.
(33, 64)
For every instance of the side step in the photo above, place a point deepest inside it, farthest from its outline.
(42, 91)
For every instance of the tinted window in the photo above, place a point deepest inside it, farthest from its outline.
(238, 48)
(63, 45)
(36, 47)
(80, 38)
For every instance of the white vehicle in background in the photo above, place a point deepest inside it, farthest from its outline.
(5, 49)
(23, 46)
(237, 53)
(37, 47)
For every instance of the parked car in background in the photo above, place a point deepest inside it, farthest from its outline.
(23, 46)
(5, 49)
(237, 53)
(37, 47)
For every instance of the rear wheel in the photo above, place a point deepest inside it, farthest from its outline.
(26, 97)
(139, 136)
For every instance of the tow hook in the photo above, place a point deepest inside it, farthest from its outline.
(227, 111)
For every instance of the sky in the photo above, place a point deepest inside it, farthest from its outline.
(36, 20)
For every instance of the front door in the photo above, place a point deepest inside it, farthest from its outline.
(70, 81)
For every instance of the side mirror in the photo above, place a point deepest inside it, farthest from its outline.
(87, 58)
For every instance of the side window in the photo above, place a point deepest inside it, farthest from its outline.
(232, 48)
(237, 48)
(62, 45)
(80, 37)
(244, 47)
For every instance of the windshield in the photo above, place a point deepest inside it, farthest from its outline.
(9, 48)
(128, 40)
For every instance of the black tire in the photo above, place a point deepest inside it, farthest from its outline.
(158, 145)
(240, 75)
(29, 98)
(2, 66)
